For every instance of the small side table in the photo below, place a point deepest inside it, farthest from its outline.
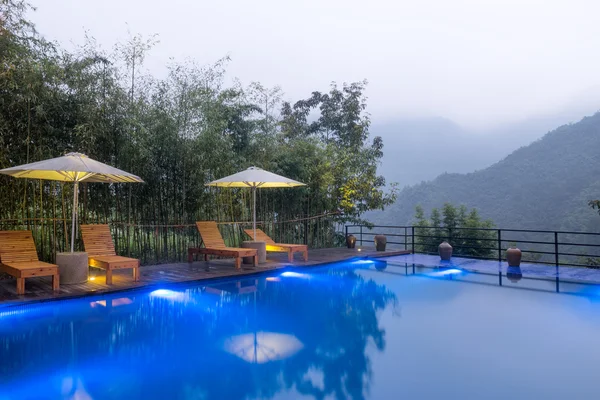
(72, 267)
(260, 246)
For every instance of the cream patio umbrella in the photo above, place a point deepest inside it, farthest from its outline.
(73, 167)
(255, 178)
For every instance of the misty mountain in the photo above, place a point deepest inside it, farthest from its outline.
(420, 149)
(545, 185)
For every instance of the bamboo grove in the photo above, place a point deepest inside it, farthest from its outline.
(177, 133)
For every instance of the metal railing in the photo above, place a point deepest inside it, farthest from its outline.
(564, 248)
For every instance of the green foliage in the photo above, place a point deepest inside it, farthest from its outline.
(468, 234)
(177, 133)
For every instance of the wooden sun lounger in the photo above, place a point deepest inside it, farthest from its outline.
(273, 247)
(99, 245)
(18, 257)
(215, 245)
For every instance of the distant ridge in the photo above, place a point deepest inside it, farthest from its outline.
(545, 185)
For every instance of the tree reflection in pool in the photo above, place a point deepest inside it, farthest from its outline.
(305, 333)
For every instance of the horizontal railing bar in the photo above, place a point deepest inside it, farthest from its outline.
(473, 247)
(483, 229)
(529, 241)
(538, 252)
(387, 234)
(578, 244)
(379, 226)
(578, 255)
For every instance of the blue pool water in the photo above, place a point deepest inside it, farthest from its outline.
(359, 330)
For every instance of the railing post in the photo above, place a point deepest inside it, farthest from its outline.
(412, 242)
(499, 245)
(306, 232)
(361, 235)
(405, 243)
(346, 226)
(556, 248)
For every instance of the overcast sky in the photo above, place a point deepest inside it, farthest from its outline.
(477, 62)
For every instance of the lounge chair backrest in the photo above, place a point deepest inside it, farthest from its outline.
(17, 246)
(260, 235)
(209, 232)
(97, 240)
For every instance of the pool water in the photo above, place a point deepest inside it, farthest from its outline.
(357, 330)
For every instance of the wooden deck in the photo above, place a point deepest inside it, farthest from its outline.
(37, 289)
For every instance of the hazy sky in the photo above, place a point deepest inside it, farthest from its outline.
(477, 62)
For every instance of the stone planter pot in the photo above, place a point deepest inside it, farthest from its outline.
(380, 242)
(514, 274)
(445, 250)
(261, 248)
(513, 257)
(72, 267)
(350, 241)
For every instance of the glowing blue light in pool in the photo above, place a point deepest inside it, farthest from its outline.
(446, 272)
(363, 262)
(291, 274)
(166, 294)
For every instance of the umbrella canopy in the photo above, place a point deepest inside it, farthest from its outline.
(254, 178)
(262, 347)
(73, 167)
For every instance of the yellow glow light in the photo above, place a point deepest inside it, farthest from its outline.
(92, 278)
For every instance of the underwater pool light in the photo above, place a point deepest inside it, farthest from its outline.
(166, 294)
(291, 274)
(445, 272)
(363, 262)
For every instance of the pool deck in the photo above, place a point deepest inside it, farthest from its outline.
(528, 270)
(39, 289)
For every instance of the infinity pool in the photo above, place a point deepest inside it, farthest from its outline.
(358, 330)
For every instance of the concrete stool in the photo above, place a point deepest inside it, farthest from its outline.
(261, 248)
(73, 267)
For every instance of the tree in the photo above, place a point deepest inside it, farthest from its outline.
(177, 133)
(466, 232)
(347, 174)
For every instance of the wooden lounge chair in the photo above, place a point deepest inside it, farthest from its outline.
(273, 247)
(215, 245)
(99, 245)
(18, 257)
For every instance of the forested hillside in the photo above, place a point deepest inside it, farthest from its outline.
(546, 185)
(450, 148)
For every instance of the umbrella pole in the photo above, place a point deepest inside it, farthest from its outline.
(74, 216)
(254, 211)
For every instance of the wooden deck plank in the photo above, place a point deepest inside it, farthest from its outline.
(40, 288)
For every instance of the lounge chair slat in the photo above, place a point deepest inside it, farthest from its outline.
(215, 245)
(273, 247)
(18, 258)
(100, 247)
